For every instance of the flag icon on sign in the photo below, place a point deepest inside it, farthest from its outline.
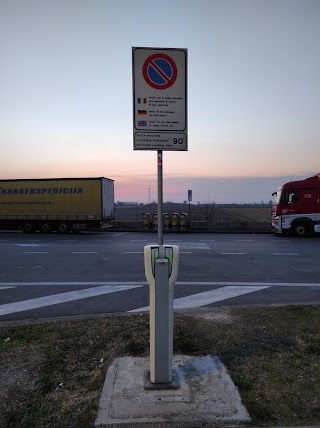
(142, 100)
(142, 112)
(142, 123)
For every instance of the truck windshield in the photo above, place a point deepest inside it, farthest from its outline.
(277, 197)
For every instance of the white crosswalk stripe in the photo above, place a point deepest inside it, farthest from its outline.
(225, 291)
(208, 297)
(212, 296)
(40, 302)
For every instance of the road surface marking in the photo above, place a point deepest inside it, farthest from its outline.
(4, 288)
(84, 252)
(40, 302)
(35, 252)
(252, 284)
(285, 254)
(230, 254)
(28, 245)
(120, 233)
(207, 297)
(92, 283)
(186, 245)
(194, 246)
(212, 296)
(142, 252)
(144, 282)
(243, 240)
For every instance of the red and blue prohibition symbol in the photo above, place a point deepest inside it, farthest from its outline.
(159, 71)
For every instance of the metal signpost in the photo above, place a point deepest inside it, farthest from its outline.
(189, 200)
(160, 123)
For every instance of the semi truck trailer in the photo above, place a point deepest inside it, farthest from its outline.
(296, 208)
(56, 204)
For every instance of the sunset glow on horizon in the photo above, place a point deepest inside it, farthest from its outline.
(253, 94)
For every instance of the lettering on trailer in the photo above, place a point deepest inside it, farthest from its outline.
(42, 191)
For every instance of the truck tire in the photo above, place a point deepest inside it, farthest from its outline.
(63, 227)
(45, 228)
(301, 229)
(28, 228)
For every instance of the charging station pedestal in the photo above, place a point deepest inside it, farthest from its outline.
(161, 268)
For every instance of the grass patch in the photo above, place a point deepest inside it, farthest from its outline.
(52, 373)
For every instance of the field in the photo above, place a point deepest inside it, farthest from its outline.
(204, 212)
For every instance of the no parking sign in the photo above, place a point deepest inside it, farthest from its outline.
(159, 71)
(159, 99)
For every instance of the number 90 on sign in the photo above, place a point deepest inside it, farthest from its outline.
(178, 141)
(151, 140)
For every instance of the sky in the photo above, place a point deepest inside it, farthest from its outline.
(66, 103)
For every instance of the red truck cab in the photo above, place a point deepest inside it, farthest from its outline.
(296, 208)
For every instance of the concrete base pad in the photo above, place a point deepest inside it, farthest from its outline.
(206, 394)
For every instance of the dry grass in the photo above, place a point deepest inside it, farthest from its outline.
(272, 354)
(249, 213)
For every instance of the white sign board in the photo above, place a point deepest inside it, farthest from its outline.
(159, 99)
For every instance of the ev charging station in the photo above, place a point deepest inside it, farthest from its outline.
(160, 123)
(161, 268)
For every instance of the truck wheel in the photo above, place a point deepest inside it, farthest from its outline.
(28, 228)
(63, 228)
(301, 230)
(45, 228)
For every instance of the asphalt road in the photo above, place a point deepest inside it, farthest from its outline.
(60, 275)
